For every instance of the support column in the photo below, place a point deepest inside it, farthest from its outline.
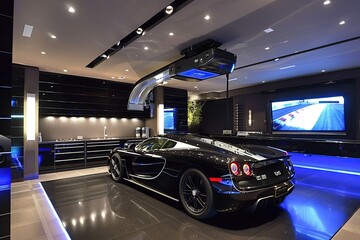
(156, 124)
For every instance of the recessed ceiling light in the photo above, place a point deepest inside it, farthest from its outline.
(126, 70)
(207, 17)
(113, 77)
(27, 30)
(276, 59)
(146, 48)
(169, 9)
(43, 53)
(196, 87)
(327, 2)
(171, 34)
(122, 77)
(139, 31)
(164, 82)
(268, 30)
(245, 77)
(267, 48)
(285, 41)
(342, 22)
(263, 81)
(53, 36)
(65, 70)
(323, 70)
(71, 9)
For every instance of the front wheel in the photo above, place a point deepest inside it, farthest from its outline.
(196, 194)
(116, 168)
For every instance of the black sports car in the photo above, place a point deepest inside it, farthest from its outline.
(5, 150)
(206, 175)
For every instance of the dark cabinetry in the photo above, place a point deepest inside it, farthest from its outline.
(60, 155)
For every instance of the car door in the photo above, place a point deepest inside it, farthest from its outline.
(148, 165)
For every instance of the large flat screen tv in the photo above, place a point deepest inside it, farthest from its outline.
(170, 119)
(309, 116)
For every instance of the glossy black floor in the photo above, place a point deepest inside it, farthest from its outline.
(95, 207)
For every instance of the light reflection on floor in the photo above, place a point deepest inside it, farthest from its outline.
(323, 200)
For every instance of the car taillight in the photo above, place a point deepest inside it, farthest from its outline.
(234, 167)
(247, 169)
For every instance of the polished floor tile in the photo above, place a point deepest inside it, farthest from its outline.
(94, 206)
(320, 205)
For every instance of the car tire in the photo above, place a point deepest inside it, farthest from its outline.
(116, 168)
(196, 194)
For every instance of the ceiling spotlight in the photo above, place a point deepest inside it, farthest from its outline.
(323, 70)
(122, 77)
(65, 70)
(276, 59)
(43, 53)
(171, 34)
(196, 87)
(53, 36)
(342, 22)
(263, 81)
(113, 77)
(139, 31)
(327, 2)
(146, 48)
(267, 48)
(207, 17)
(169, 9)
(126, 70)
(71, 9)
(104, 56)
(164, 82)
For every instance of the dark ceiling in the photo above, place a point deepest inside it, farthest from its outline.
(299, 26)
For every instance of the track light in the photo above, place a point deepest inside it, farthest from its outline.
(139, 31)
(169, 9)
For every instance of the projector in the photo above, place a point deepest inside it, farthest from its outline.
(210, 63)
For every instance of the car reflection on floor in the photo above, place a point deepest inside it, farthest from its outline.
(94, 207)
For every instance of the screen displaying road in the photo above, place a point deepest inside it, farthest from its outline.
(316, 114)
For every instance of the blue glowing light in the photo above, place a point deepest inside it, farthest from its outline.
(232, 68)
(198, 74)
(5, 178)
(328, 170)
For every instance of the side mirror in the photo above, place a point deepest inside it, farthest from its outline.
(132, 147)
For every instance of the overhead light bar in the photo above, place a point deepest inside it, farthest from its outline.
(159, 17)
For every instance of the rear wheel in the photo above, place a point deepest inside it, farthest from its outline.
(196, 195)
(116, 168)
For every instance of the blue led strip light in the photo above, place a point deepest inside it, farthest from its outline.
(328, 170)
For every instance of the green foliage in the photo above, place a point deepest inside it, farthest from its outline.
(194, 112)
